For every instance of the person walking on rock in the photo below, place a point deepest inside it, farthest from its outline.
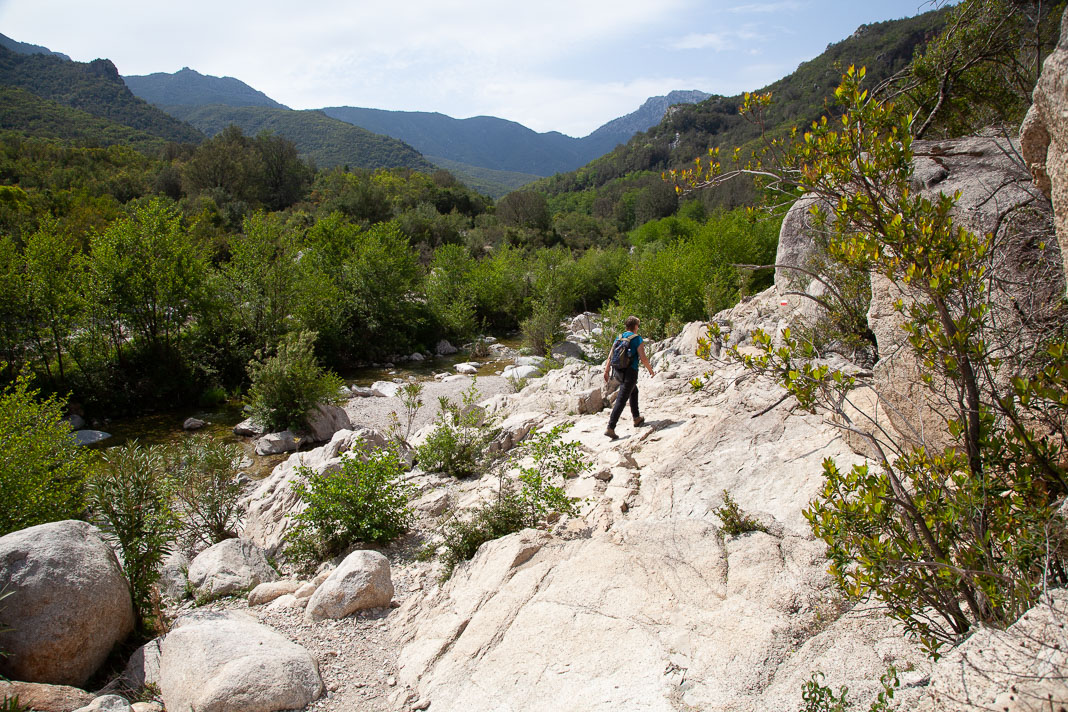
(623, 358)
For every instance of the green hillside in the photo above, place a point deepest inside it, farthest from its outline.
(328, 142)
(94, 88)
(30, 115)
(799, 98)
(486, 181)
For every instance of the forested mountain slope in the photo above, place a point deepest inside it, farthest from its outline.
(188, 87)
(326, 141)
(95, 88)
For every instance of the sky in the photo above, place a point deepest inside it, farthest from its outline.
(551, 65)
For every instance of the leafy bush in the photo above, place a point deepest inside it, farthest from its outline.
(491, 521)
(458, 444)
(734, 520)
(128, 499)
(202, 479)
(363, 500)
(538, 498)
(289, 384)
(42, 469)
(410, 395)
(542, 328)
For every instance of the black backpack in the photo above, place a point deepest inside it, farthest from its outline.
(621, 355)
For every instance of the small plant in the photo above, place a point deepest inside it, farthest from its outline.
(480, 348)
(735, 521)
(12, 704)
(492, 520)
(542, 328)
(817, 697)
(412, 401)
(4, 628)
(458, 445)
(128, 498)
(553, 460)
(201, 476)
(289, 384)
(363, 500)
(517, 384)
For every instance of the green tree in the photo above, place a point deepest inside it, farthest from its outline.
(55, 274)
(42, 468)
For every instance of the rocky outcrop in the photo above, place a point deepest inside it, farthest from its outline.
(272, 504)
(324, 421)
(1020, 669)
(642, 603)
(361, 581)
(229, 567)
(69, 603)
(276, 443)
(1044, 134)
(231, 663)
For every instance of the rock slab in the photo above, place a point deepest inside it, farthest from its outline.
(70, 604)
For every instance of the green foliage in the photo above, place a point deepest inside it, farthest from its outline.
(12, 704)
(42, 469)
(202, 480)
(463, 537)
(288, 384)
(981, 70)
(129, 501)
(943, 539)
(410, 395)
(538, 499)
(542, 328)
(733, 520)
(449, 291)
(457, 446)
(363, 500)
(817, 697)
(552, 461)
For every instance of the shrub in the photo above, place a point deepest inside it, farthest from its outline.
(538, 498)
(490, 521)
(817, 697)
(201, 476)
(289, 384)
(128, 499)
(542, 328)
(42, 469)
(363, 500)
(734, 520)
(458, 444)
(411, 400)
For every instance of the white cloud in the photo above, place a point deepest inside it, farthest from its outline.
(766, 7)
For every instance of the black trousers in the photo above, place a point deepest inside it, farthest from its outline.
(628, 391)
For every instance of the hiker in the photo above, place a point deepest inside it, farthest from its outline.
(627, 350)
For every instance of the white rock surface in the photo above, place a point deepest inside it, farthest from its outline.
(276, 443)
(518, 372)
(467, 368)
(361, 581)
(444, 348)
(232, 663)
(229, 567)
(326, 420)
(193, 424)
(386, 389)
(270, 590)
(69, 603)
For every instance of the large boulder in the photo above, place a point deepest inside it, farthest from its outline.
(326, 420)
(69, 603)
(276, 443)
(273, 503)
(361, 581)
(1044, 134)
(231, 663)
(45, 698)
(229, 567)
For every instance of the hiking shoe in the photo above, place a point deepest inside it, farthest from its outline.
(610, 432)
(639, 420)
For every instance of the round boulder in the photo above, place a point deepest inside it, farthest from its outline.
(229, 567)
(69, 603)
(361, 581)
(232, 663)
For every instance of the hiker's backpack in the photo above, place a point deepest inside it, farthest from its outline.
(621, 353)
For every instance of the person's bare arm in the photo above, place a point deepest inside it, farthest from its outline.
(607, 366)
(644, 359)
